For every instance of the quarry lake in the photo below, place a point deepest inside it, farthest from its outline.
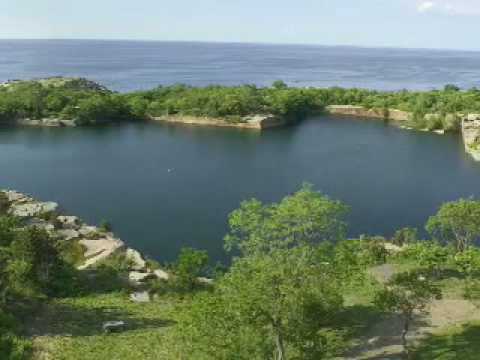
(165, 187)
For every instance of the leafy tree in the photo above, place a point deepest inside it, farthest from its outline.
(274, 306)
(468, 263)
(406, 293)
(451, 87)
(190, 265)
(279, 84)
(405, 236)
(304, 218)
(457, 222)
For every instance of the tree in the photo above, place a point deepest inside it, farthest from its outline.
(304, 218)
(468, 263)
(406, 293)
(274, 306)
(190, 265)
(279, 84)
(457, 221)
(405, 236)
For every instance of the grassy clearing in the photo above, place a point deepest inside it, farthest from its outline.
(458, 342)
(72, 328)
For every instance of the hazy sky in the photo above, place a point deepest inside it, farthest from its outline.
(402, 23)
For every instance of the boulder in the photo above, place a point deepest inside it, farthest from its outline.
(40, 224)
(16, 197)
(140, 296)
(114, 326)
(205, 281)
(162, 275)
(392, 247)
(136, 259)
(86, 230)
(69, 222)
(68, 234)
(32, 209)
(137, 277)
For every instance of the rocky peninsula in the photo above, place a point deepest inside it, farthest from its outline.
(96, 243)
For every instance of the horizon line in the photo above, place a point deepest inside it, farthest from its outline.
(391, 47)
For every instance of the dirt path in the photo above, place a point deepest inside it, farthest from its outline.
(383, 341)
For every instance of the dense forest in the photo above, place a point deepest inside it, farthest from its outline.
(297, 288)
(87, 103)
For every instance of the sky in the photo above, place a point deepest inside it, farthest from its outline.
(445, 24)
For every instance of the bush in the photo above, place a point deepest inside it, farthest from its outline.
(190, 265)
(404, 236)
(12, 347)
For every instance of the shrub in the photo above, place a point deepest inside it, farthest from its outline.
(190, 265)
(404, 236)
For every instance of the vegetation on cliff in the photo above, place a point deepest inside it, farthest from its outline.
(79, 100)
(296, 289)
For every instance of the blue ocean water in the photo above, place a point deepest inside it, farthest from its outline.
(132, 65)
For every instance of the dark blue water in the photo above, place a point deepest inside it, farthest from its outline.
(129, 65)
(390, 177)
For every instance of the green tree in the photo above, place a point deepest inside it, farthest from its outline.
(468, 263)
(279, 84)
(404, 236)
(276, 306)
(457, 222)
(406, 293)
(190, 265)
(304, 218)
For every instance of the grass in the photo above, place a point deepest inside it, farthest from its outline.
(71, 329)
(458, 342)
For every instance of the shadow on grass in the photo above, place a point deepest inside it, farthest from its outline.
(373, 331)
(357, 319)
(67, 320)
(459, 343)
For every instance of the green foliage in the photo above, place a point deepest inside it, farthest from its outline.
(190, 265)
(105, 226)
(266, 307)
(458, 342)
(404, 236)
(31, 266)
(88, 103)
(457, 222)
(468, 263)
(406, 293)
(429, 255)
(279, 84)
(12, 347)
(304, 218)
(4, 203)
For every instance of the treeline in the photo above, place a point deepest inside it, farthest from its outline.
(93, 105)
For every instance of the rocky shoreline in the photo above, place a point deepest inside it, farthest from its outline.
(255, 122)
(258, 122)
(471, 135)
(470, 128)
(97, 244)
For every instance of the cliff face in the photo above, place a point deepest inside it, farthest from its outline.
(360, 111)
(258, 122)
(471, 135)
